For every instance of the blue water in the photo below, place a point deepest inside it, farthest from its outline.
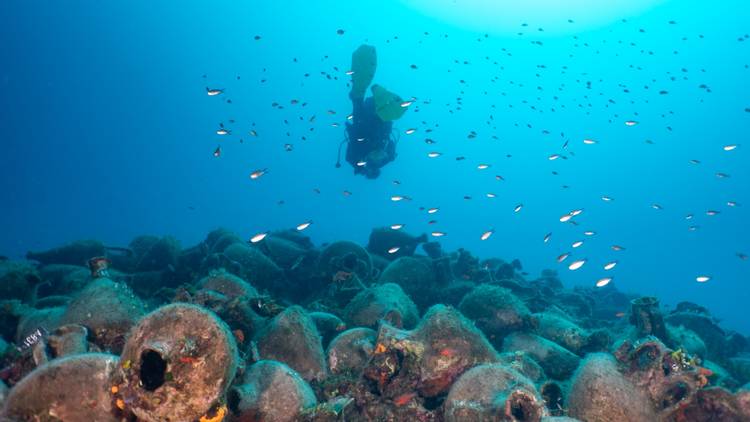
(107, 132)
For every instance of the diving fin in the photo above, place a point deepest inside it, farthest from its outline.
(364, 63)
(387, 104)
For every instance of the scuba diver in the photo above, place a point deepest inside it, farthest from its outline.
(368, 138)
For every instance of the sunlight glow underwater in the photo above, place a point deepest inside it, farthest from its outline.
(511, 16)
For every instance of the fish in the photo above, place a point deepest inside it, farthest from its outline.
(577, 244)
(609, 265)
(589, 233)
(486, 235)
(630, 123)
(304, 225)
(410, 131)
(361, 163)
(565, 218)
(258, 173)
(483, 166)
(404, 399)
(657, 207)
(223, 131)
(702, 278)
(553, 157)
(563, 257)
(577, 212)
(491, 195)
(518, 208)
(212, 92)
(741, 256)
(730, 147)
(721, 175)
(434, 154)
(606, 199)
(547, 237)
(731, 204)
(589, 141)
(603, 281)
(712, 212)
(438, 234)
(396, 226)
(258, 237)
(397, 198)
(433, 210)
(406, 104)
(217, 152)
(576, 264)
(393, 249)
(253, 132)
(617, 248)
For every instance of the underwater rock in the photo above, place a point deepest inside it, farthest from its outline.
(346, 257)
(559, 419)
(414, 275)
(108, 310)
(493, 392)
(159, 255)
(382, 239)
(292, 338)
(18, 280)
(328, 325)
(351, 350)
(74, 388)
(271, 392)
(257, 268)
(381, 302)
(496, 311)
(599, 393)
(558, 362)
(176, 364)
(75, 253)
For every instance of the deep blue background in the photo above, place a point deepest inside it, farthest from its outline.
(107, 132)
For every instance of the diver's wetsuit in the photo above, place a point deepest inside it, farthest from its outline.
(367, 134)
